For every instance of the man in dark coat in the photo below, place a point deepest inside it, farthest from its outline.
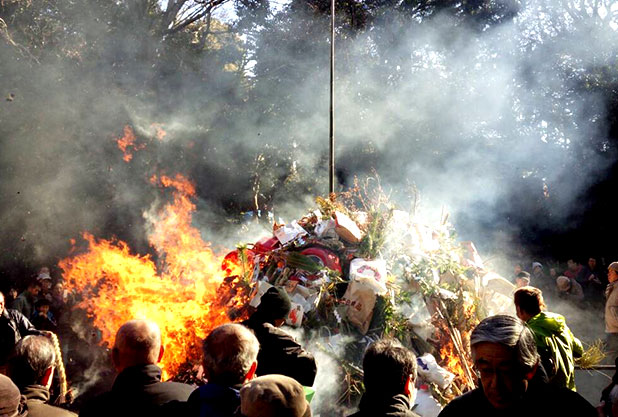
(13, 326)
(279, 352)
(389, 377)
(505, 357)
(137, 390)
(32, 368)
(230, 360)
(24, 303)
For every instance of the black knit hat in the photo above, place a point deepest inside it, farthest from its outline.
(275, 304)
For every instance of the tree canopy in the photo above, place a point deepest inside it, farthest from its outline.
(505, 111)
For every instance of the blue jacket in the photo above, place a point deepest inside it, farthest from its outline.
(214, 400)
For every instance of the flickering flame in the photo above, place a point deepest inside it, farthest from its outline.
(127, 142)
(450, 357)
(451, 361)
(182, 292)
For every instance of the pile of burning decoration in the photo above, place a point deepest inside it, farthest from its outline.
(355, 268)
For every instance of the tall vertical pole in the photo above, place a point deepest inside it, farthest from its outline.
(332, 99)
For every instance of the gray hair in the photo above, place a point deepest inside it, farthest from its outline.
(511, 332)
(139, 342)
(229, 351)
(32, 357)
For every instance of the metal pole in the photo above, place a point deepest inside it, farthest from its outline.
(331, 188)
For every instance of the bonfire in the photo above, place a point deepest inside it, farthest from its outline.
(356, 268)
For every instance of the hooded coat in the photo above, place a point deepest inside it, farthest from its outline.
(37, 399)
(557, 347)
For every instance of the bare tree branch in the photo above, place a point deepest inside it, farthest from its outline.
(202, 10)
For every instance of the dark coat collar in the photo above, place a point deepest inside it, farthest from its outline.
(137, 376)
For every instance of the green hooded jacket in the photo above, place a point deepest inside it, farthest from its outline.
(557, 347)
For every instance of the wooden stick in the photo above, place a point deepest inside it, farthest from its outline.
(457, 343)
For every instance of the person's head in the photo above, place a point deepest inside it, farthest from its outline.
(12, 403)
(389, 369)
(34, 288)
(522, 279)
(274, 307)
(13, 293)
(553, 272)
(58, 290)
(505, 357)
(138, 342)
(2, 303)
(572, 265)
(528, 302)
(517, 268)
(563, 284)
(537, 268)
(230, 355)
(612, 272)
(592, 263)
(32, 362)
(273, 396)
(42, 306)
(45, 281)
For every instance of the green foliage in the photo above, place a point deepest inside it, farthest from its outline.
(375, 235)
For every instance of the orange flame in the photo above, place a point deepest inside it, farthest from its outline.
(450, 357)
(182, 293)
(126, 142)
(451, 360)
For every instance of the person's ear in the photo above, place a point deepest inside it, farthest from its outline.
(46, 381)
(530, 374)
(161, 351)
(408, 387)
(251, 374)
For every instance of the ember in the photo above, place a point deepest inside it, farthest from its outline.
(127, 142)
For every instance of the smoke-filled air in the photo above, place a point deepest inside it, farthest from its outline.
(142, 141)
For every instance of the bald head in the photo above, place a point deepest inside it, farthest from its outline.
(230, 354)
(138, 342)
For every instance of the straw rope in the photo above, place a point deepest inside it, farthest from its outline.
(60, 367)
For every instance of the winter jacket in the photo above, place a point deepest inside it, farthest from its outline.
(37, 397)
(13, 326)
(540, 400)
(395, 406)
(214, 400)
(557, 347)
(575, 293)
(611, 308)
(281, 354)
(24, 304)
(137, 391)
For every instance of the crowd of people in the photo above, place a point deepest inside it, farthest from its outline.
(525, 364)
(582, 283)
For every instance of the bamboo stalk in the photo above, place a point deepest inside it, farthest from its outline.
(457, 343)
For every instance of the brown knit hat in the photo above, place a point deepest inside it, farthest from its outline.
(274, 396)
(12, 403)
